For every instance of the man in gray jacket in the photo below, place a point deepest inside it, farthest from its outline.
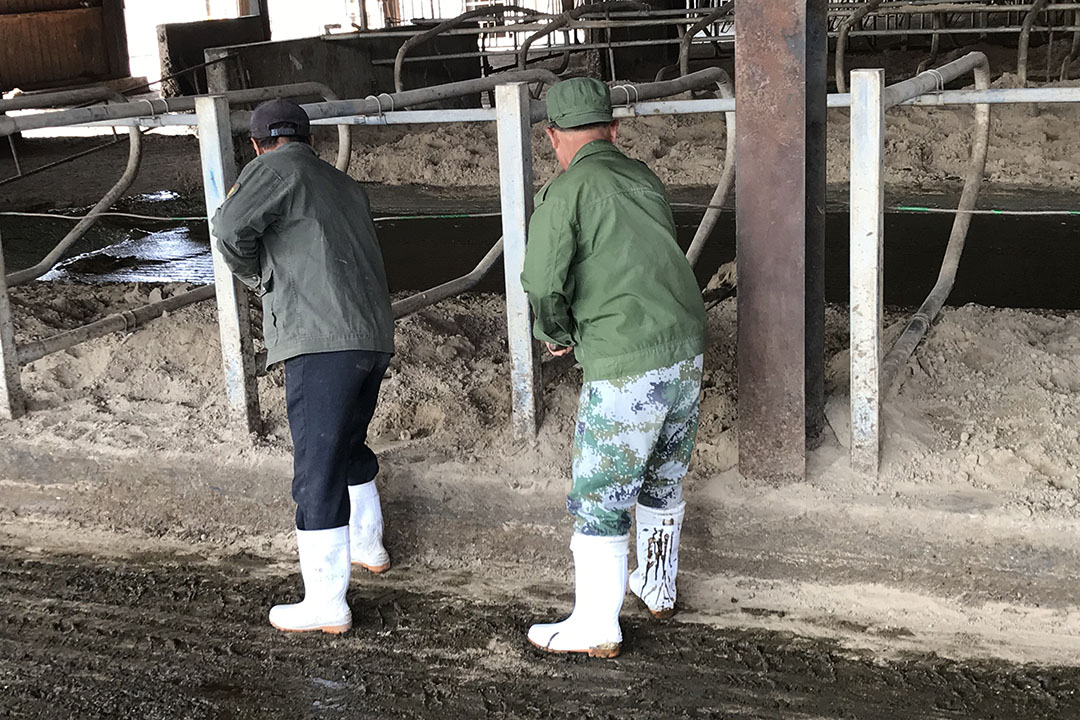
(300, 232)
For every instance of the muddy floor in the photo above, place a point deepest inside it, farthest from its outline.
(176, 637)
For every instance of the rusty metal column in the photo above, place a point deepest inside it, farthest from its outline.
(780, 53)
(234, 315)
(12, 400)
(516, 179)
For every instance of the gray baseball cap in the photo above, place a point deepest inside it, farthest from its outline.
(279, 112)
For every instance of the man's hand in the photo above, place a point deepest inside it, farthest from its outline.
(558, 350)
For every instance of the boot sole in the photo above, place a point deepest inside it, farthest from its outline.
(605, 652)
(330, 629)
(666, 614)
(376, 569)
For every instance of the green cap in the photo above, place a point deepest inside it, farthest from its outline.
(579, 101)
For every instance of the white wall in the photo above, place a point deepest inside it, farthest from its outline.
(143, 17)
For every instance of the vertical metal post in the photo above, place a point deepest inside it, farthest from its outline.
(12, 401)
(14, 155)
(867, 242)
(817, 93)
(779, 67)
(516, 180)
(234, 316)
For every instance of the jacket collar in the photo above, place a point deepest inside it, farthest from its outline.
(295, 147)
(592, 148)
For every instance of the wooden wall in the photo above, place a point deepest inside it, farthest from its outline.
(51, 43)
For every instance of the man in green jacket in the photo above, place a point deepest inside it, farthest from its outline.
(608, 282)
(300, 232)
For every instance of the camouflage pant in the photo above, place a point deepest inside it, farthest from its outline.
(632, 443)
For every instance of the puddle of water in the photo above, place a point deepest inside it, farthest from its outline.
(180, 254)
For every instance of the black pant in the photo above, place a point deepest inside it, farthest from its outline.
(331, 398)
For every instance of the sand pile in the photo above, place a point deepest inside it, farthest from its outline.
(1031, 146)
(987, 411)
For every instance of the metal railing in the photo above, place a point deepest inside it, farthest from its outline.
(927, 20)
(514, 114)
(871, 376)
(59, 99)
(937, 18)
(129, 108)
(874, 374)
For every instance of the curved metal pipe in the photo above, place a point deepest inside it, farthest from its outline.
(491, 10)
(421, 96)
(344, 133)
(688, 37)
(115, 192)
(570, 15)
(1025, 40)
(935, 45)
(841, 41)
(723, 188)
(62, 98)
(1074, 50)
(157, 106)
(628, 94)
(924, 317)
(126, 321)
(421, 300)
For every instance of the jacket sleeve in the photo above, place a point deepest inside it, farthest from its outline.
(546, 277)
(253, 204)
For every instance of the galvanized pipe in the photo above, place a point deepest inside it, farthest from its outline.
(373, 105)
(924, 317)
(1073, 51)
(570, 15)
(421, 300)
(620, 95)
(935, 79)
(1025, 40)
(65, 98)
(935, 45)
(36, 101)
(723, 188)
(688, 38)
(489, 11)
(159, 106)
(115, 192)
(55, 163)
(127, 321)
(631, 94)
(841, 42)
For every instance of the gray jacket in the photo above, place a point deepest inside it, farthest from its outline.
(300, 232)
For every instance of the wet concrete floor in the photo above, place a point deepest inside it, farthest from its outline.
(175, 637)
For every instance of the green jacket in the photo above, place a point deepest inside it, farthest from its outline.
(300, 232)
(604, 272)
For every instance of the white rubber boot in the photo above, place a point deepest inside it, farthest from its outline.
(653, 581)
(324, 565)
(599, 589)
(366, 528)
